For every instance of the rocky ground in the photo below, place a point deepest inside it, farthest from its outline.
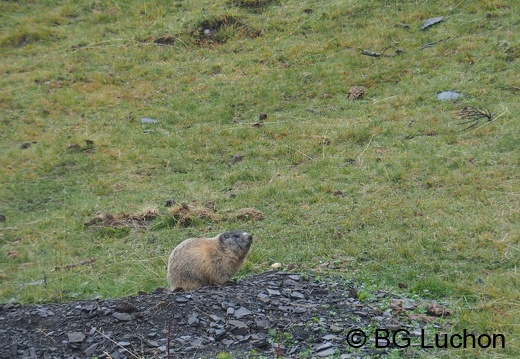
(271, 315)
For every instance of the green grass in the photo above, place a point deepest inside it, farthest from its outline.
(429, 205)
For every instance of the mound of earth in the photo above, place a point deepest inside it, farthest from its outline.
(273, 314)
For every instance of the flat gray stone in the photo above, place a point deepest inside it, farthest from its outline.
(431, 22)
(124, 317)
(76, 337)
(242, 312)
(448, 95)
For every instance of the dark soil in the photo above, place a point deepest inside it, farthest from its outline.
(274, 314)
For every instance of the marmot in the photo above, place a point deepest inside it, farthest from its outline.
(197, 262)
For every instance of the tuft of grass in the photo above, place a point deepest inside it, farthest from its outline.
(389, 187)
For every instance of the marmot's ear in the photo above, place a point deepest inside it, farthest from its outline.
(222, 237)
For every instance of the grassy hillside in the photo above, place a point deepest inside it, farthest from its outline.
(389, 188)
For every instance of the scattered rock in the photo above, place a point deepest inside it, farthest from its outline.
(257, 313)
(238, 327)
(124, 317)
(273, 291)
(148, 120)
(336, 328)
(89, 352)
(193, 320)
(326, 353)
(297, 295)
(431, 22)
(448, 95)
(242, 312)
(209, 33)
(76, 337)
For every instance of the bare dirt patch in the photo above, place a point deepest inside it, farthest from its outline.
(129, 220)
(185, 214)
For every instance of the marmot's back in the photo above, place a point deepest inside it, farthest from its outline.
(197, 262)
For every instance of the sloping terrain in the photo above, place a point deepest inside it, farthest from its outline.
(376, 139)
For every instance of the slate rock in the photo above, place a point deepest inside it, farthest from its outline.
(297, 295)
(326, 353)
(89, 352)
(29, 353)
(273, 291)
(431, 22)
(193, 320)
(76, 337)
(242, 312)
(448, 95)
(238, 327)
(324, 346)
(182, 299)
(227, 342)
(124, 317)
(264, 304)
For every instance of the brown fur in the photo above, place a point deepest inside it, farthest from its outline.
(197, 262)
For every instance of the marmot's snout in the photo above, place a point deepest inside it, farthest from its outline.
(249, 238)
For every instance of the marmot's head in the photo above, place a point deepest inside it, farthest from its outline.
(237, 241)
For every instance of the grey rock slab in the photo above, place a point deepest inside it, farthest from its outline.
(324, 346)
(297, 295)
(124, 317)
(91, 350)
(448, 95)
(430, 22)
(326, 353)
(242, 312)
(76, 337)
(273, 291)
(238, 327)
(193, 320)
